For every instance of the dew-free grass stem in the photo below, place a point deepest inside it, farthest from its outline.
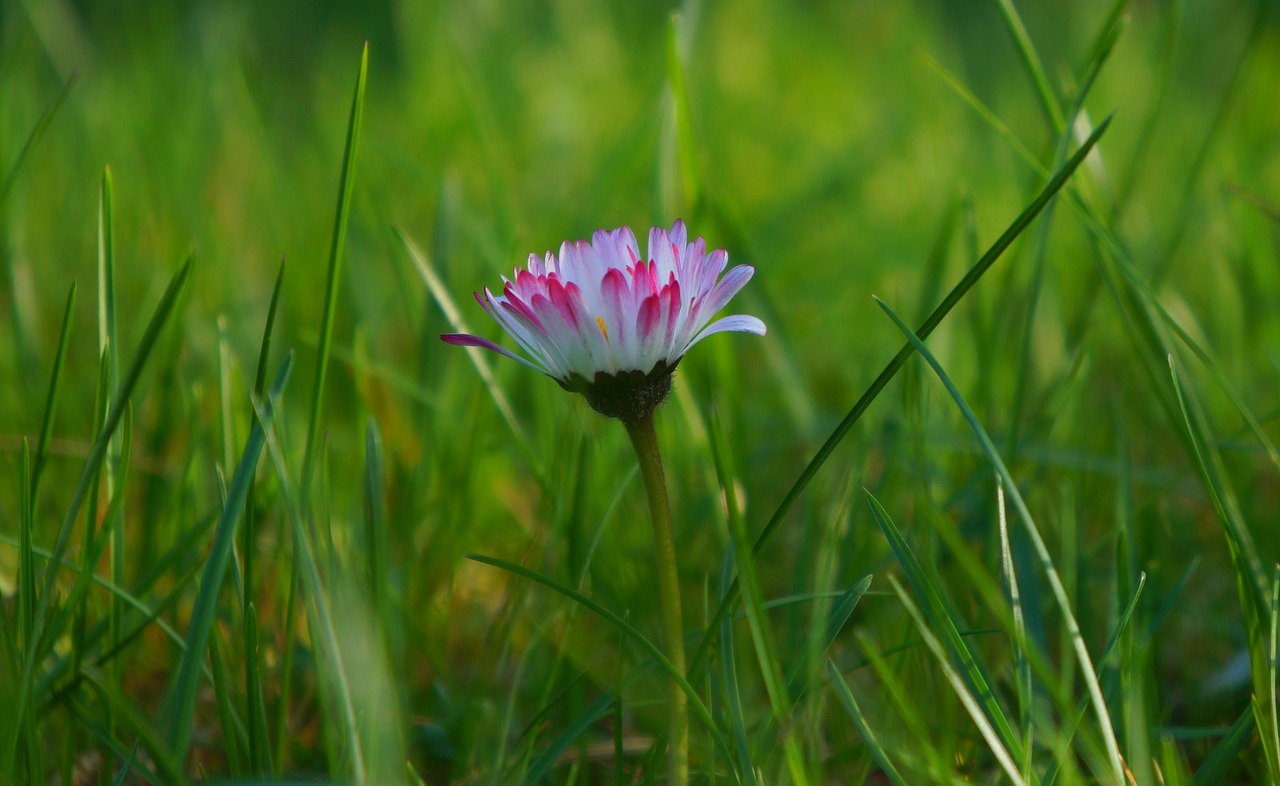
(645, 441)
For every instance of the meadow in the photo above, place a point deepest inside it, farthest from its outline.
(993, 501)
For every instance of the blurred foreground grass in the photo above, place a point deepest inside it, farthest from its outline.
(829, 145)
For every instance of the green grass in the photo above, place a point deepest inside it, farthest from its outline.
(1011, 521)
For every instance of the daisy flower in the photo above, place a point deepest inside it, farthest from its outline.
(604, 321)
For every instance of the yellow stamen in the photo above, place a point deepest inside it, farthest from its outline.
(603, 329)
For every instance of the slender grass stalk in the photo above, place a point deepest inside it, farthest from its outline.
(1042, 552)
(51, 400)
(936, 317)
(346, 185)
(645, 441)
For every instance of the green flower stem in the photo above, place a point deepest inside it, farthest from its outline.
(645, 440)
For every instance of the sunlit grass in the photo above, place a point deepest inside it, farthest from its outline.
(260, 523)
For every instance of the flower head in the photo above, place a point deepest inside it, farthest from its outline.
(604, 321)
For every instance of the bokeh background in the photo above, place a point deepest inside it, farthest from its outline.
(826, 143)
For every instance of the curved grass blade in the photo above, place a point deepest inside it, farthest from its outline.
(938, 614)
(940, 313)
(1042, 552)
(1031, 62)
(141, 728)
(958, 684)
(869, 738)
(695, 702)
(259, 741)
(336, 247)
(182, 694)
(92, 464)
(453, 316)
(728, 661)
(37, 131)
(51, 399)
(1213, 770)
(762, 637)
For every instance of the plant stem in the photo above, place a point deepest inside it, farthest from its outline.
(645, 441)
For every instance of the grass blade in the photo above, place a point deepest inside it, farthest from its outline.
(1042, 551)
(624, 627)
(87, 475)
(1031, 62)
(940, 313)
(453, 316)
(762, 637)
(939, 615)
(182, 693)
(51, 399)
(37, 131)
(958, 684)
(869, 739)
(336, 247)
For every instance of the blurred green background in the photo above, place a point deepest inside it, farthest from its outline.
(827, 148)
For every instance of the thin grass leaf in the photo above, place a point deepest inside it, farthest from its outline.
(118, 406)
(1273, 697)
(695, 702)
(233, 734)
(762, 637)
(378, 552)
(346, 185)
(944, 308)
(355, 663)
(33, 137)
(453, 316)
(909, 711)
(850, 704)
(1020, 665)
(542, 764)
(25, 730)
(1213, 770)
(167, 766)
(1042, 551)
(126, 767)
(939, 614)
(728, 661)
(1191, 190)
(92, 464)
(51, 399)
(679, 150)
(837, 617)
(1244, 552)
(256, 712)
(186, 682)
(1034, 68)
(961, 689)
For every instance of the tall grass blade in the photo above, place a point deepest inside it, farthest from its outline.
(51, 398)
(37, 131)
(1031, 62)
(938, 615)
(1042, 551)
(980, 719)
(346, 185)
(1213, 770)
(695, 702)
(256, 714)
(940, 313)
(865, 731)
(453, 316)
(182, 693)
(25, 727)
(762, 637)
(93, 463)
(679, 142)
(1020, 665)
(728, 662)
